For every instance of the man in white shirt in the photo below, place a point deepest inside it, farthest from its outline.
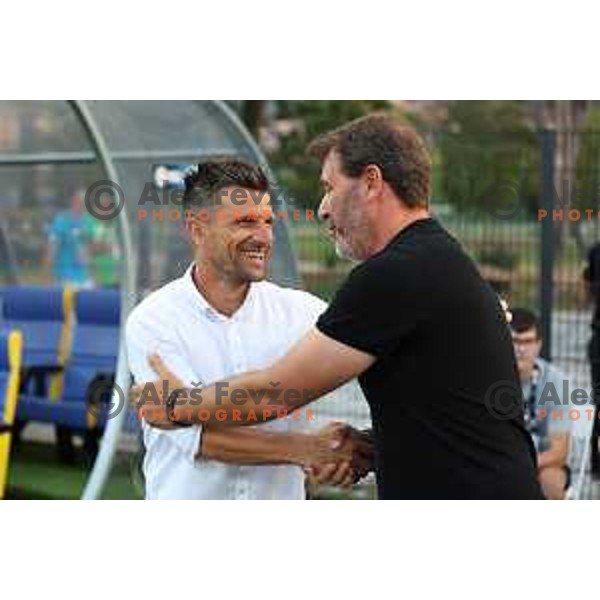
(220, 319)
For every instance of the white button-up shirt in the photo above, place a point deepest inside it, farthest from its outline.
(199, 344)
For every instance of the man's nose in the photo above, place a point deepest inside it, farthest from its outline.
(324, 210)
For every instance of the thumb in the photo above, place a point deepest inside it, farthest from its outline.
(338, 436)
(342, 432)
(159, 367)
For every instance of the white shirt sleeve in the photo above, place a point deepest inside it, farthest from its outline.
(144, 337)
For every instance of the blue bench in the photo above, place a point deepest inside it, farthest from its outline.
(43, 315)
(89, 370)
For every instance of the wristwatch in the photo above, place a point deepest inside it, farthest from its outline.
(170, 408)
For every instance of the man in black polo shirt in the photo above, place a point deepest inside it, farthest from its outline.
(441, 344)
(415, 322)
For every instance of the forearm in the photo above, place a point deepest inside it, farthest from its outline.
(313, 367)
(556, 456)
(251, 446)
(243, 400)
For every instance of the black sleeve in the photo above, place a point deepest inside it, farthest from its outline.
(378, 306)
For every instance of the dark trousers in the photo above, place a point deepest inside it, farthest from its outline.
(594, 358)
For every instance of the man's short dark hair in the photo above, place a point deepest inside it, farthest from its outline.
(523, 320)
(209, 177)
(379, 140)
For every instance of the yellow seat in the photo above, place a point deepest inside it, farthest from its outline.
(65, 343)
(11, 354)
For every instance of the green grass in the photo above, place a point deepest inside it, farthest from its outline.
(36, 473)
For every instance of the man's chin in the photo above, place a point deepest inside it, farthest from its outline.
(342, 250)
(254, 275)
(345, 252)
(525, 371)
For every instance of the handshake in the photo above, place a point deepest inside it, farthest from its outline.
(338, 454)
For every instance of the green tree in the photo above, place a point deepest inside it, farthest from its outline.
(487, 144)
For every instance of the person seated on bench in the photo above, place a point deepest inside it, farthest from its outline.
(546, 413)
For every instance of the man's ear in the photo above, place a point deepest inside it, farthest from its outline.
(373, 178)
(194, 230)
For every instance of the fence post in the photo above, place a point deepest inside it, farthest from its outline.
(547, 246)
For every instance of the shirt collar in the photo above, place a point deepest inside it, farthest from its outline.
(211, 313)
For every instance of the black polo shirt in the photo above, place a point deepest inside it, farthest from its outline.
(444, 393)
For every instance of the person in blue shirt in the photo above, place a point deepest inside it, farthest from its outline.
(547, 422)
(69, 236)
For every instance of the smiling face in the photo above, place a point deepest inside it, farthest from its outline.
(344, 210)
(236, 242)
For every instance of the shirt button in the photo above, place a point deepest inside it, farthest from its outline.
(211, 314)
